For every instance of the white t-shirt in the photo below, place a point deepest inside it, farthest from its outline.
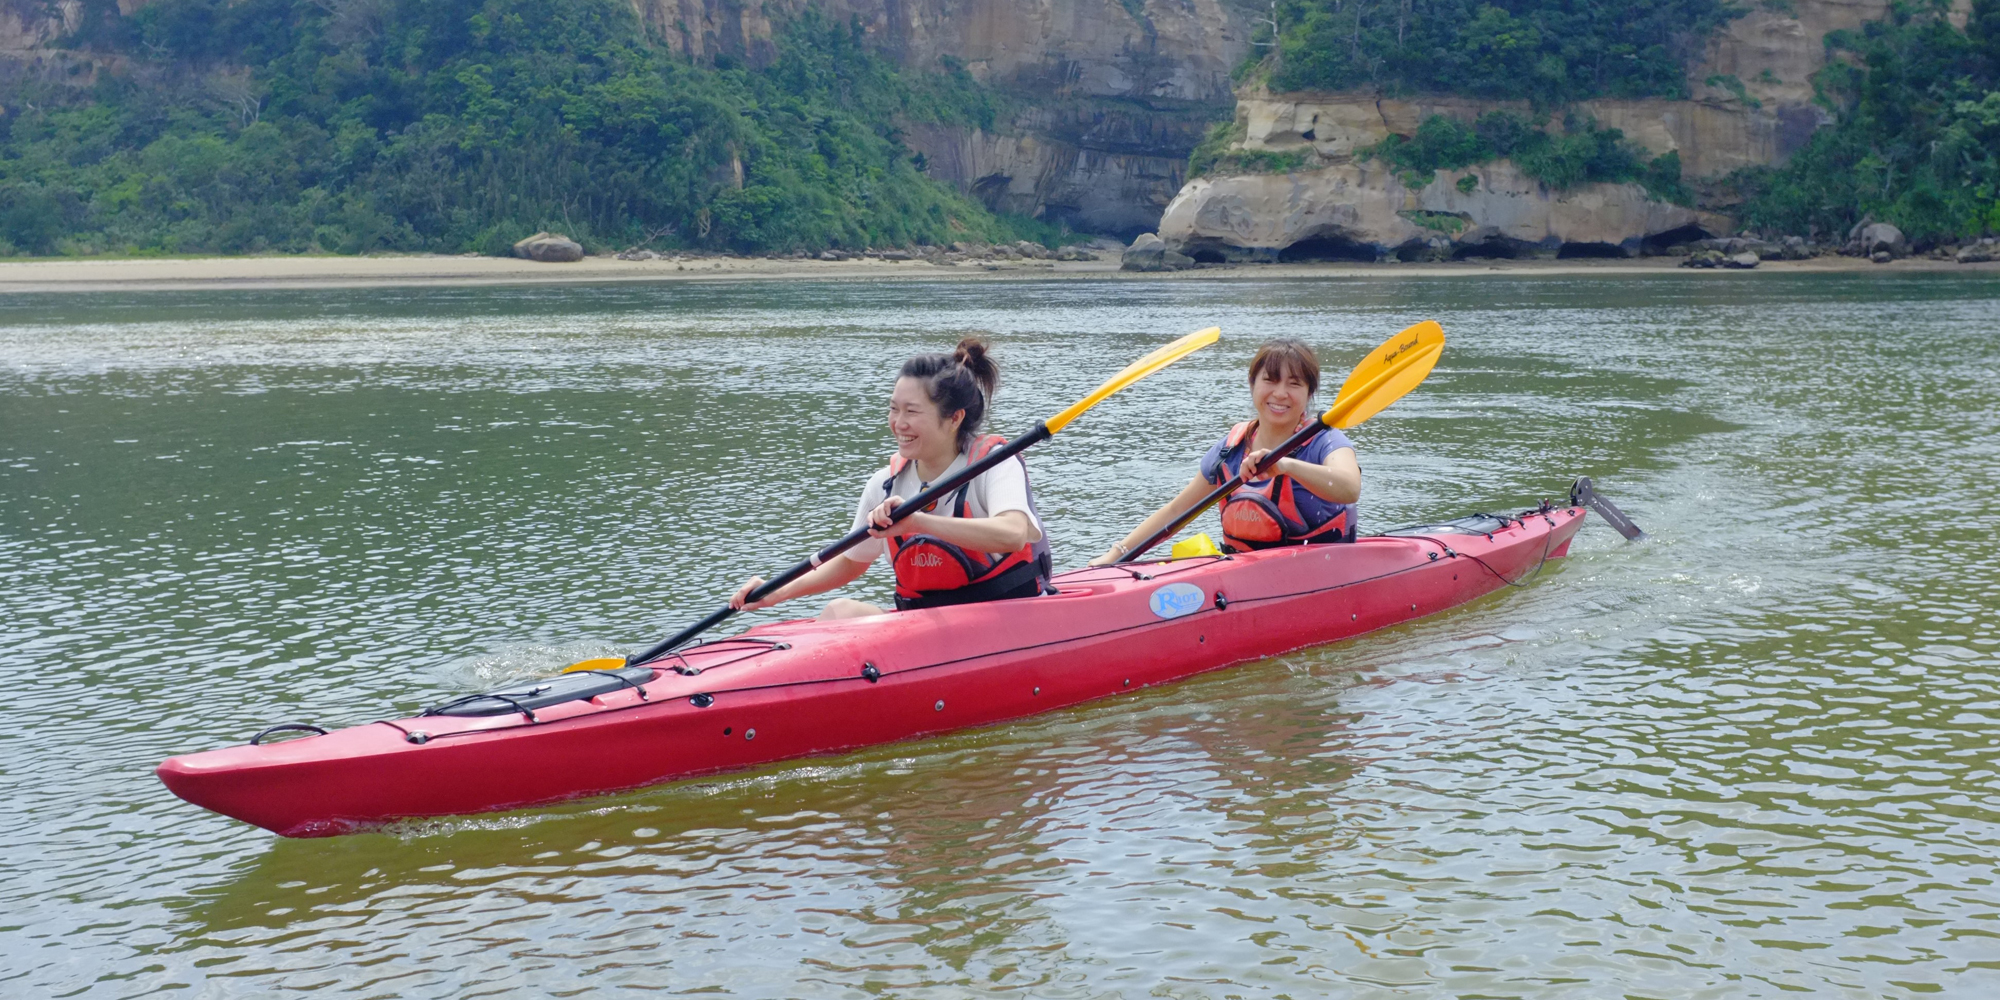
(1002, 487)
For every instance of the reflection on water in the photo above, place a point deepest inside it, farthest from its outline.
(1750, 756)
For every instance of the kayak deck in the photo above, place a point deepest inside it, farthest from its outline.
(798, 688)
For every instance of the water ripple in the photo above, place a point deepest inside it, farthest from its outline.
(1751, 756)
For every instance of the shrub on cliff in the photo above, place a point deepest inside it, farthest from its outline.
(352, 125)
(1917, 142)
(1217, 154)
(1551, 52)
(1582, 153)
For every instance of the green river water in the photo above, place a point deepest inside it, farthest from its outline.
(1752, 756)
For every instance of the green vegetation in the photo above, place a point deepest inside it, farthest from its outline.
(1443, 222)
(450, 125)
(1917, 143)
(1582, 153)
(1729, 82)
(1550, 52)
(1216, 154)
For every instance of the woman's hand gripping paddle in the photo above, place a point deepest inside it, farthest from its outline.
(1384, 376)
(1046, 429)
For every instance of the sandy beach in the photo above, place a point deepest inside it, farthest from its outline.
(144, 274)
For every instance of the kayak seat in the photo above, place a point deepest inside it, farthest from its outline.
(543, 692)
(1471, 524)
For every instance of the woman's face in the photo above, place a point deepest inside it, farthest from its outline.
(1280, 399)
(914, 419)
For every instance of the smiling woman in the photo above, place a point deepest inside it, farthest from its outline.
(1305, 498)
(984, 543)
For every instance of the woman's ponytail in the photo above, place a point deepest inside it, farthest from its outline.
(962, 380)
(973, 353)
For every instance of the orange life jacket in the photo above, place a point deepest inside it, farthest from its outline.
(931, 572)
(1264, 515)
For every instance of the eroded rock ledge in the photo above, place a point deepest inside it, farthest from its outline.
(1361, 210)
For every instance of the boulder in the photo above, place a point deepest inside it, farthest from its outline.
(1794, 248)
(1975, 253)
(1744, 261)
(1730, 246)
(1881, 256)
(1150, 253)
(1144, 254)
(1704, 258)
(1877, 237)
(549, 248)
(1075, 253)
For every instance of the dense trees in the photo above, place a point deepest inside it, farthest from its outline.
(1918, 138)
(1550, 52)
(352, 125)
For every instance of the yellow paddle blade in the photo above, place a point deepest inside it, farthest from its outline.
(1135, 371)
(1386, 374)
(601, 663)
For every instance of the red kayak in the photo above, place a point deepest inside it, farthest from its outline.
(797, 688)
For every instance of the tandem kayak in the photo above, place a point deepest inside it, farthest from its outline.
(799, 688)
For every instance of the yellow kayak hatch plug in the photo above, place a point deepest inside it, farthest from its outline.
(1199, 545)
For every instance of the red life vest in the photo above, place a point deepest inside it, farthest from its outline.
(1265, 515)
(931, 572)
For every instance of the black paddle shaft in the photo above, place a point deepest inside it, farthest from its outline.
(851, 539)
(1292, 444)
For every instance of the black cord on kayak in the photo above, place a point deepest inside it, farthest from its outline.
(1525, 578)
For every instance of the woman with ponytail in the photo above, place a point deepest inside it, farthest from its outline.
(982, 543)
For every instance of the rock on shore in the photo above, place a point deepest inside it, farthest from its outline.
(549, 248)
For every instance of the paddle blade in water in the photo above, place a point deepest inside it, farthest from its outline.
(601, 663)
(1135, 371)
(1386, 374)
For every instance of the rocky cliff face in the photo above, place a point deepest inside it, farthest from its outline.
(1752, 106)
(1771, 56)
(1115, 93)
(1363, 211)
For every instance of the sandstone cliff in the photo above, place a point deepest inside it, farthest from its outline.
(1752, 105)
(1363, 211)
(1771, 55)
(1114, 93)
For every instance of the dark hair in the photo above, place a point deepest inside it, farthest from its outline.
(962, 380)
(1287, 357)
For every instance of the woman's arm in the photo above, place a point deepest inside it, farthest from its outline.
(1337, 480)
(1006, 531)
(836, 572)
(1189, 495)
